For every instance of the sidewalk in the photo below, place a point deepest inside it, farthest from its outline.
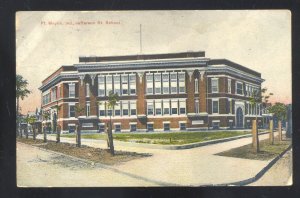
(189, 167)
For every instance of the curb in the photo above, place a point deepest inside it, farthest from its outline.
(258, 175)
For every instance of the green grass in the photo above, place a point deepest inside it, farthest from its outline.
(267, 150)
(176, 138)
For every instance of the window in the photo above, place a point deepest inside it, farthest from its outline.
(101, 86)
(157, 84)
(174, 106)
(53, 94)
(72, 90)
(132, 127)
(88, 109)
(149, 127)
(215, 106)
(173, 83)
(196, 85)
(196, 106)
(132, 84)
(117, 128)
(118, 109)
(214, 85)
(109, 112)
(87, 90)
(182, 126)
(166, 126)
(132, 107)
(166, 83)
(108, 84)
(230, 106)
(124, 84)
(181, 78)
(102, 109)
(149, 83)
(166, 104)
(149, 108)
(58, 92)
(182, 106)
(215, 125)
(158, 107)
(229, 85)
(101, 128)
(239, 88)
(125, 111)
(71, 111)
(117, 85)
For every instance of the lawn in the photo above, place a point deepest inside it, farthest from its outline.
(267, 150)
(176, 138)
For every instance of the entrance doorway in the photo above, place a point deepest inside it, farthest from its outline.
(239, 118)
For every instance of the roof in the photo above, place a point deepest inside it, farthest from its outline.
(142, 57)
(234, 65)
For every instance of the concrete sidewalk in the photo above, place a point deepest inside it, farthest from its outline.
(189, 167)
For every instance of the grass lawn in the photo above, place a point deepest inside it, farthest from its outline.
(267, 150)
(177, 138)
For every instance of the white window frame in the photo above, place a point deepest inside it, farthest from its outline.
(229, 85)
(217, 85)
(236, 88)
(116, 108)
(88, 109)
(102, 108)
(132, 106)
(117, 84)
(132, 84)
(181, 82)
(71, 92)
(109, 86)
(196, 85)
(124, 104)
(166, 102)
(150, 103)
(174, 103)
(87, 90)
(165, 83)
(101, 85)
(174, 82)
(157, 83)
(197, 106)
(70, 110)
(182, 104)
(149, 83)
(157, 105)
(125, 84)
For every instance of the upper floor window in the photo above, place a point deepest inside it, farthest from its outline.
(102, 109)
(174, 107)
(150, 108)
(87, 90)
(215, 106)
(109, 86)
(125, 111)
(158, 107)
(132, 84)
(53, 94)
(101, 86)
(166, 83)
(117, 109)
(149, 83)
(196, 85)
(157, 84)
(182, 107)
(229, 85)
(214, 85)
(125, 84)
(173, 77)
(166, 104)
(117, 85)
(132, 107)
(239, 88)
(72, 90)
(181, 78)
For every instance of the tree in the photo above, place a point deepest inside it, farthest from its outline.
(113, 98)
(21, 93)
(46, 116)
(55, 118)
(257, 97)
(31, 121)
(79, 111)
(280, 111)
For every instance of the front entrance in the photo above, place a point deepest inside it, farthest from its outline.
(239, 118)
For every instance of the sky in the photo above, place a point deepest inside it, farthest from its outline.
(257, 39)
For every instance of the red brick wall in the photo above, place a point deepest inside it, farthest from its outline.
(202, 91)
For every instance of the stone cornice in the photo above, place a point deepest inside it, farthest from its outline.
(57, 79)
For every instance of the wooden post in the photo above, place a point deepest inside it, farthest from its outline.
(34, 131)
(255, 140)
(271, 136)
(45, 133)
(58, 129)
(78, 136)
(279, 130)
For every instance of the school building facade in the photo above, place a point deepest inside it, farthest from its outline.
(157, 92)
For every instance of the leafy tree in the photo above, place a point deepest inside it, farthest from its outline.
(46, 116)
(113, 99)
(79, 111)
(280, 111)
(21, 93)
